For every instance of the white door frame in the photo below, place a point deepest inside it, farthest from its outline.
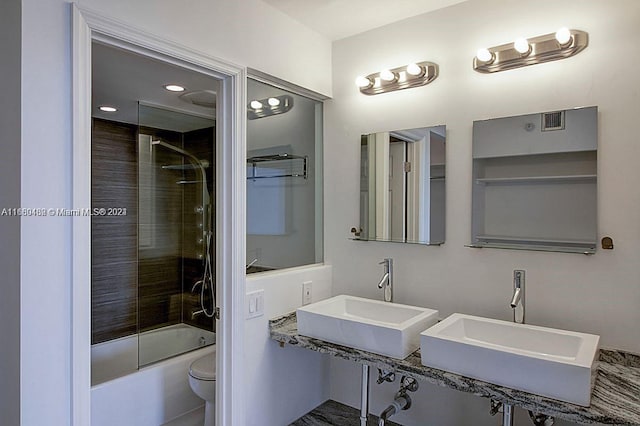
(230, 204)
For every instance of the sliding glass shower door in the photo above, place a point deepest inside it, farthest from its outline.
(176, 249)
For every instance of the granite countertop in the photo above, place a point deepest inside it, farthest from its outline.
(615, 398)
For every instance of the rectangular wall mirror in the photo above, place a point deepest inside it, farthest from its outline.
(402, 186)
(535, 181)
(284, 178)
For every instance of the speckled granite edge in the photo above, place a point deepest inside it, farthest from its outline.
(615, 398)
(614, 356)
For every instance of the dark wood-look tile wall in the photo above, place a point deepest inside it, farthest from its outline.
(136, 290)
(160, 291)
(200, 144)
(113, 238)
(160, 264)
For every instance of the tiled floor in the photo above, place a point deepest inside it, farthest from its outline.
(332, 413)
(192, 418)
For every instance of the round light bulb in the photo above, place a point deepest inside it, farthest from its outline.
(363, 82)
(563, 35)
(521, 45)
(484, 55)
(107, 108)
(256, 104)
(174, 88)
(414, 69)
(274, 102)
(387, 75)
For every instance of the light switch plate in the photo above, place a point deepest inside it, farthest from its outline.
(307, 292)
(254, 302)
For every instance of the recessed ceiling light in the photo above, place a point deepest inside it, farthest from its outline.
(174, 88)
(107, 108)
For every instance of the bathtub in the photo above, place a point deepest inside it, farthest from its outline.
(152, 395)
(119, 357)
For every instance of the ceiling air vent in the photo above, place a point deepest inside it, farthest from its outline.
(552, 121)
(201, 98)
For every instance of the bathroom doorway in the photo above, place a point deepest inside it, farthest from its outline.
(153, 250)
(160, 174)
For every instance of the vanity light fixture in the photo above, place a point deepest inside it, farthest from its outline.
(522, 46)
(364, 82)
(485, 56)
(107, 108)
(412, 75)
(563, 35)
(387, 75)
(522, 52)
(414, 69)
(260, 108)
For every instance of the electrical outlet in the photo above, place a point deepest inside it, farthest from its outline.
(306, 292)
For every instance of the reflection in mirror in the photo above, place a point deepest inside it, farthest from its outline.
(284, 179)
(402, 186)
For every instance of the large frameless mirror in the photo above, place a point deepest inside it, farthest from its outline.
(284, 178)
(402, 186)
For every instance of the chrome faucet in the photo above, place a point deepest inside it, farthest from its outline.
(250, 264)
(517, 300)
(387, 279)
(517, 304)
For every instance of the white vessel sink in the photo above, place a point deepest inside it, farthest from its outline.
(555, 363)
(380, 327)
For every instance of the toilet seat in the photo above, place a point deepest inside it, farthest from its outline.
(204, 368)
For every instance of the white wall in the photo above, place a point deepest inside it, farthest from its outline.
(283, 384)
(248, 32)
(595, 294)
(45, 262)
(10, 25)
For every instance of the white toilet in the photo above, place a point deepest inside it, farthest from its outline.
(202, 378)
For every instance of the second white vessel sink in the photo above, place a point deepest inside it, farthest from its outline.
(544, 361)
(383, 328)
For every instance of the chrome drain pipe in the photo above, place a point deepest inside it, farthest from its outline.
(401, 400)
(364, 395)
(507, 415)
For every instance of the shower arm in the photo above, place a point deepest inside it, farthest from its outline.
(205, 193)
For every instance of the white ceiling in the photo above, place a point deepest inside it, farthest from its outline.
(123, 79)
(336, 19)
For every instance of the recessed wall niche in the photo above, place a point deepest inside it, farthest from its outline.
(535, 181)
